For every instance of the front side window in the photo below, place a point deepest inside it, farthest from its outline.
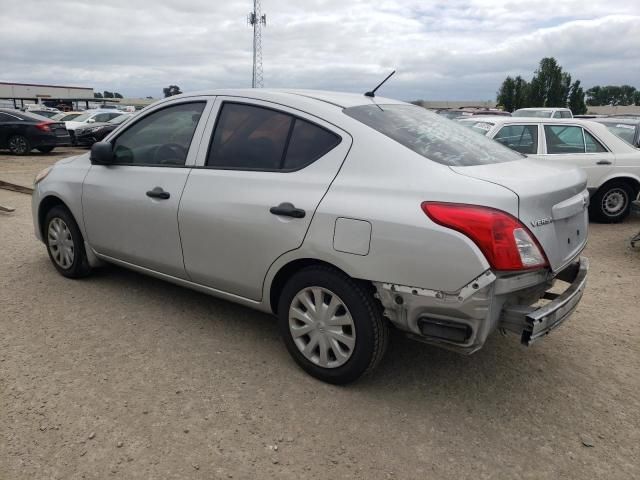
(432, 136)
(563, 139)
(557, 115)
(565, 114)
(521, 138)
(161, 138)
(248, 137)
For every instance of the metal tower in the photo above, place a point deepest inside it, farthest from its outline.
(256, 19)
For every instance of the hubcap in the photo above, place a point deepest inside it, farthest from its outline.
(322, 327)
(60, 243)
(614, 202)
(17, 144)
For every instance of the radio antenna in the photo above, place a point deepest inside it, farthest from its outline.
(372, 93)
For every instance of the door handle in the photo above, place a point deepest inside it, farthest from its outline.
(287, 209)
(603, 162)
(158, 192)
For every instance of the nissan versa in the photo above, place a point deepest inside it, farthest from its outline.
(344, 215)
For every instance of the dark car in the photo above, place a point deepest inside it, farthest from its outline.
(95, 132)
(21, 132)
(44, 113)
(625, 127)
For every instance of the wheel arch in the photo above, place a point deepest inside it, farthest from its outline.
(286, 271)
(632, 181)
(47, 204)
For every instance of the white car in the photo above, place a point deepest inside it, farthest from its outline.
(90, 116)
(543, 112)
(611, 164)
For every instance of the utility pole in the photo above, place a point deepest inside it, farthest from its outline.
(256, 19)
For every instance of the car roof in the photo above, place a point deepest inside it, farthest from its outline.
(544, 109)
(293, 96)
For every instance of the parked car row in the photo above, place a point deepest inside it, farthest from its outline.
(21, 132)
(612, 165)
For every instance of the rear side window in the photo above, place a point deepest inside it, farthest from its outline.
(564, 139)
(249, 137)
(521, 138)
(431, 135)
(565, 114)
(557, 115)
(308, 143)
(624, 131)
(592, 145)
(480, 127)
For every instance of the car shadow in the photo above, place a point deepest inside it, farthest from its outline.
(408, 366)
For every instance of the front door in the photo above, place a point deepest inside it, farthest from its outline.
(130, 208)
(255, 191)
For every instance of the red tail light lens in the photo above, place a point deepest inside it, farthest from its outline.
(505, 242)
(44, 126)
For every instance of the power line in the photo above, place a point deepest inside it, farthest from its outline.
(257, 19)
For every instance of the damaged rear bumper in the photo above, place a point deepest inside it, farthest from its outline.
(535, 322)
(462, 320)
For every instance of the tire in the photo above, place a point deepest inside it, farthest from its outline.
(365, 338)
(45, 149)
(19, 145)
(612, 202)
(65, 244)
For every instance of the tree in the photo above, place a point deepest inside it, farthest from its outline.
(550, 85)
(117, 95)
(97, 95)
(611, 95)
(108, 94)
(636, 98)
(576, 99)
(171, 90)
(506, 94)
(520, 93)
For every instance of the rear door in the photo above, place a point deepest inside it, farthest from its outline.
(261, 174)
(575, 145)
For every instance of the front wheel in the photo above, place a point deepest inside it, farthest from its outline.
(331, 324)
(65, 244)
(611, 203)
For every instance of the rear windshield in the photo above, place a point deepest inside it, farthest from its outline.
(431, 135)
(623, 130)
(477, 126)
(532, 113)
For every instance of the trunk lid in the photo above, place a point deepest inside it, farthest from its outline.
(552, 203)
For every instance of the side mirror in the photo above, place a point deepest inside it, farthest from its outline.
(102, 153)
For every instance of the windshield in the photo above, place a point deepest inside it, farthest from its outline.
(532, 113)
(431, 135)
(120, 119)
(477, 126)
(84, 117)
(623, 130)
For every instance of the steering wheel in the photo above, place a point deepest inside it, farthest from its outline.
(170, 153)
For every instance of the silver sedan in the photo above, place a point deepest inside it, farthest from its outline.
(342, 214)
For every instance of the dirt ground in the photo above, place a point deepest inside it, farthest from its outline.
(124, 376)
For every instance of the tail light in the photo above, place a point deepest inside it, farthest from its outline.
(44, 126)
(505, 242)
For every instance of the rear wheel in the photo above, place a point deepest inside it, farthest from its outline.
(65, 244)
(331, 324)
(19, 145)
(611, 203)
(45, 149)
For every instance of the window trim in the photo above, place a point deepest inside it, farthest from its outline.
(543, 125)
(127, 126)
(523, 124)
(286, 146)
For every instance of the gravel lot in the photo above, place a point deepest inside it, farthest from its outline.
(124, 376)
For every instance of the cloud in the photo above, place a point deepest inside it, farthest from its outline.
(457, 49)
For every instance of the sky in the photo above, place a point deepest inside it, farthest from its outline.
(442, 50)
